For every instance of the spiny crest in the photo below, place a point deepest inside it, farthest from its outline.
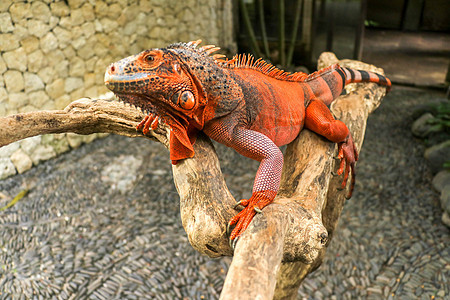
(192, 45)
(247, 61)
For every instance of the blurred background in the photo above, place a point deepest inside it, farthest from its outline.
(409, 39)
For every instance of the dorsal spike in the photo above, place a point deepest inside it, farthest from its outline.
(209, 51)
(206, 47)
(218, 56)
(250, 61)
(268, 67)
(247, 61)
(194, 43)
(244, 59)
(259, 63)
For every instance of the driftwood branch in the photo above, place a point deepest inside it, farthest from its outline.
(84, 116)
(282, 245)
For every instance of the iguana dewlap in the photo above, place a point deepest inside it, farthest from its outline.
(246, 104)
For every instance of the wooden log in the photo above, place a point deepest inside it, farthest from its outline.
(282, 245)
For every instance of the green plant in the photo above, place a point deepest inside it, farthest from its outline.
(447, 165)
(441, 120)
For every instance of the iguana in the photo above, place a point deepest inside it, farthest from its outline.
(246, 104)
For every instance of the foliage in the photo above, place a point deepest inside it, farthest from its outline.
(19, 196)
(441, 120)
(447, 165)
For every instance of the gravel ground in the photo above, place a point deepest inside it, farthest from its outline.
(102, 222)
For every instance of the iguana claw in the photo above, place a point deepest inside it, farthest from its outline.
(228, 229)
(239, 203)
(349, 155)
(253, 205)
(233, 243)
(258, 210)
(150, 121)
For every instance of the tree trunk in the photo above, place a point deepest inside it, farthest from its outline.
(284, 243)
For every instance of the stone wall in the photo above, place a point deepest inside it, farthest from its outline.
(54, 52)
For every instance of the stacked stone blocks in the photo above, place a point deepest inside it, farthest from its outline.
(55, 52)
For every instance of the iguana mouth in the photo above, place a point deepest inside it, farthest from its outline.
(125, 83)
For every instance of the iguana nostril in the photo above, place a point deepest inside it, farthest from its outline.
(112, 68)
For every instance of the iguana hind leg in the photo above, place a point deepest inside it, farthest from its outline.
(320, 120)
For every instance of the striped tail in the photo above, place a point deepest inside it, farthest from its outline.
(327, 84)
(355, 76)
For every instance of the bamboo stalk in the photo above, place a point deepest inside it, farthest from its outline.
(262, 24)
(281, 34)
(298, 11)
(251, 34)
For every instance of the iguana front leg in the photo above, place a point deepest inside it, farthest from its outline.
(259, 147)
(150, 121)
(320, 120)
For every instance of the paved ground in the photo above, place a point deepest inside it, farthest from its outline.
(411, 58)
(102, 222)
(415, 58)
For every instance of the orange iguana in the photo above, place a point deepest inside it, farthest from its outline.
(246, 104)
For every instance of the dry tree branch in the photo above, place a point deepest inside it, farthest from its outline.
(84, 116)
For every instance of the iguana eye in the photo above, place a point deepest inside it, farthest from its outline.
(185, 99)
(149, 58)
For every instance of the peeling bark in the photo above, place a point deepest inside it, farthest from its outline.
(282, 245)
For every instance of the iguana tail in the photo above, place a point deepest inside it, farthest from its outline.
(327, 84)
(355, 76)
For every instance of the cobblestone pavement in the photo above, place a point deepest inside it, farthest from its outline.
(102, 222)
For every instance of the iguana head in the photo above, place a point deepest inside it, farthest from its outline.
(169, 83)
